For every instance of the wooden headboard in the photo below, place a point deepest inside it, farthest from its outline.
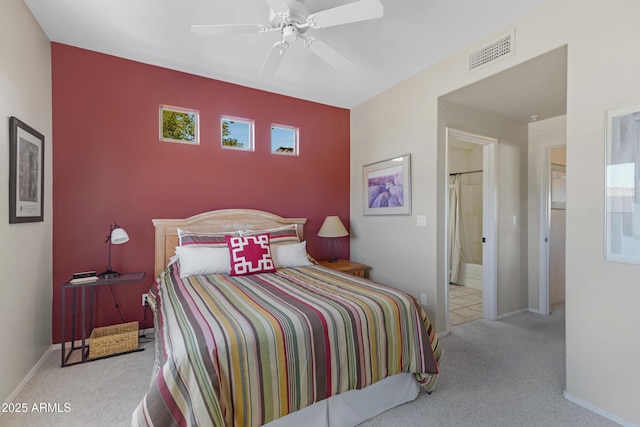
(214, 221)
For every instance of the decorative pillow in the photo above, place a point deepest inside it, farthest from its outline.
(198, 260)
(250, 254)
(278, 236)
(214, 240)
(294, 255)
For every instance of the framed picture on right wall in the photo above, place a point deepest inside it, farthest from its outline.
(622, 189)
(387, 186)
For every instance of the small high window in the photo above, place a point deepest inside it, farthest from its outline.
(179, 125)
(284, 140)
(237, 133)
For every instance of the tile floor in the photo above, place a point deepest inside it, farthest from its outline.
(465, 304)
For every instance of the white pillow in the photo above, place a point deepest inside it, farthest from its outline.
(173, 259)
(294, 255)
(198, 260)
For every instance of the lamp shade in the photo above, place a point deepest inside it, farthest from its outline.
(119, 236)
(332, 227)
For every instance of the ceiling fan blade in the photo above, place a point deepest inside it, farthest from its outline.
(329, 55)
(216, 30)
(273, 60)
(353, 12)
(279, 6)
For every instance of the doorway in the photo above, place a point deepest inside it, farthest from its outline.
(552, 283)
(472, 231)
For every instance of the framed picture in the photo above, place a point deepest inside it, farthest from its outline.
(237, 133)
(622, 189)
(387, 187)
(26, 173)
(179, 125)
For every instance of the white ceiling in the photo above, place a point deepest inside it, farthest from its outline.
(412, 35)
(537, 87)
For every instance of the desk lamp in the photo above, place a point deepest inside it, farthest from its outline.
(116, 236)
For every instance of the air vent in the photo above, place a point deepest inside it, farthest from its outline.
(495, 51)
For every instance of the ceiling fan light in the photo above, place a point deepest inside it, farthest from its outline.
(289, 34)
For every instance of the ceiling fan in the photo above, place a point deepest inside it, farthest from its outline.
(292, 19)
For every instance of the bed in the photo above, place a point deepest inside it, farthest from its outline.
(292, 344)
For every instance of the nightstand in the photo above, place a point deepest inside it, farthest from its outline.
(346, 266)
(83, 348)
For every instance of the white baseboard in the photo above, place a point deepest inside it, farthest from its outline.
(513, 313)
(28, 377)
(443, 333)
(598, 411)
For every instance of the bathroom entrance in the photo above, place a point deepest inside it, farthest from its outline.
(471, 239)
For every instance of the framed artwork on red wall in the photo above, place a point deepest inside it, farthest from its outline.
(26, 173)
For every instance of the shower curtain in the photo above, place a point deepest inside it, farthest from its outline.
(456, 228)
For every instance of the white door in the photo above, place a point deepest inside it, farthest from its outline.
(552, 244)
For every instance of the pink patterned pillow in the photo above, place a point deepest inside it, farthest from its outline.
(250, 254)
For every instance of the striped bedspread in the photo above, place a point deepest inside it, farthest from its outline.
(245, 350)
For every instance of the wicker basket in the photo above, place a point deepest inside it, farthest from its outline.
(115, 339)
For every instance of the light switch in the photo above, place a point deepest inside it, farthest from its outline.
(422, 220)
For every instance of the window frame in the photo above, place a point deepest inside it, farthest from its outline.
(181, 110)
(250, 133)
(296, 141)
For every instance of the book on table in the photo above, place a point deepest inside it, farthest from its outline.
(87, 279)
(82, 274)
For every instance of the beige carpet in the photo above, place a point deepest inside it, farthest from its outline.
(507, 373)
(100, 393)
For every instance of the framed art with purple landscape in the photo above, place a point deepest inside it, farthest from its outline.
(387, 186)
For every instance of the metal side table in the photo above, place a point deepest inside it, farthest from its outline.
(82, 287)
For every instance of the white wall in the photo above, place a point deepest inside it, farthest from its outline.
(603, 67)
(25, 249)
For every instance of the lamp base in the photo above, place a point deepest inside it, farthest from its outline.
(109, 274)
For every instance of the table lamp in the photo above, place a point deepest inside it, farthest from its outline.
(116, 236)
(332, 228)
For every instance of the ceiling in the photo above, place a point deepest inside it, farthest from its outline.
(537, 87)
(411, 36)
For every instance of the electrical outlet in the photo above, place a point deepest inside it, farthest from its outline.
(423, 299)
(145, 300)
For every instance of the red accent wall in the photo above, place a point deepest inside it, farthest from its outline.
(109, 165)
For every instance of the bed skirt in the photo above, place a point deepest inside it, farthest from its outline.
(356, 406)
